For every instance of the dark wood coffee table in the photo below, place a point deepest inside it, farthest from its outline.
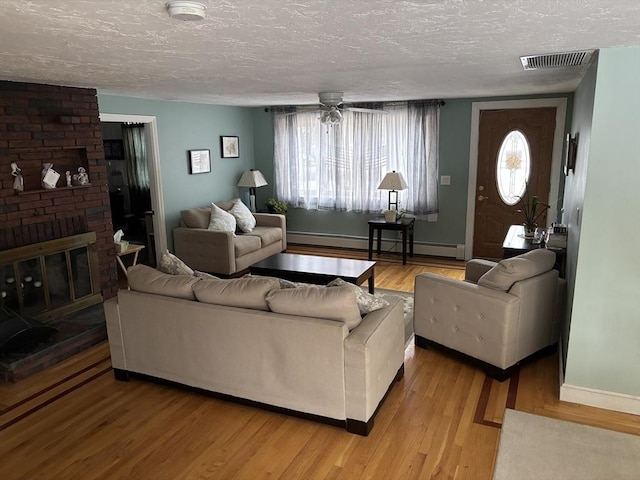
(316, 270)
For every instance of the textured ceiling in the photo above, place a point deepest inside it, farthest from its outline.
(273, 52)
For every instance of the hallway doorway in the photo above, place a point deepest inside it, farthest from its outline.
(140, 217)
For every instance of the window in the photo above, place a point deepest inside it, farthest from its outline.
(339, 167)
(513, 166)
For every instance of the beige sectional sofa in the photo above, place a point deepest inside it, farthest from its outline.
(223, 336)
(227, 253)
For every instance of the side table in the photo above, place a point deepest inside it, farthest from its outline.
(404, 224)
(131, 249)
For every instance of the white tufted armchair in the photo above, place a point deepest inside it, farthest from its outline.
(499, 315)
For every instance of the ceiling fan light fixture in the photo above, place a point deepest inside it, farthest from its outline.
(331, 117)
(186, 11)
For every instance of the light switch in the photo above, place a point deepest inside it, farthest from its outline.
(445, 180)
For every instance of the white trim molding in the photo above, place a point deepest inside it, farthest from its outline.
(362, 243)
(618, 402)
(558, 143)
(155, 177)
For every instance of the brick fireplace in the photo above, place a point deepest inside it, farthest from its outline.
(60, 125)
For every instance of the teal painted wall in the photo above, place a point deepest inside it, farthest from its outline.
(189, 126)
(575, 184)
(455, 129)
(604, 340)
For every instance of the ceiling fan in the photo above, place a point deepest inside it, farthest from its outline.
(331, 108)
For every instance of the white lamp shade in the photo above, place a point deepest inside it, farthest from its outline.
(252, 179)
(393, 181)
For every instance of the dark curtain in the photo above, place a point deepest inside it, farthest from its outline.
(135, 154)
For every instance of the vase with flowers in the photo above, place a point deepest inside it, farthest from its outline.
(531, 209)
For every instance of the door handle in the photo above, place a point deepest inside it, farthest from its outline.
(481, 198)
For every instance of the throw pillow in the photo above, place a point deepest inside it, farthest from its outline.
(221, 221)
(145, 279)
(337, 303)
(244, 218)
(196, 217)
(199, 274)
(366, 302)
(283, 283)
(236, 292)
(172, 265)
(512, 270)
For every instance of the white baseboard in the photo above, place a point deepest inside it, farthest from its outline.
(360, 243)
(595, 398)
(599, 398)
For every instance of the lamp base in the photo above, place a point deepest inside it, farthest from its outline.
(252, 203)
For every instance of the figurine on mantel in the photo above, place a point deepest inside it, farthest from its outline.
(83, 178)
(67, 175)
(49, 176)
(18, 181)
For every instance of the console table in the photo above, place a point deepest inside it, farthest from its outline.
(515, 244)
(404, 224)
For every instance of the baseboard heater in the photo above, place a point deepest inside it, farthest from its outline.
(362, 243)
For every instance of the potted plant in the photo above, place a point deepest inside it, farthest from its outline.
(531, 209)
(276, 206)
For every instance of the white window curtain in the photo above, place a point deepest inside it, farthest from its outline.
(340, 167)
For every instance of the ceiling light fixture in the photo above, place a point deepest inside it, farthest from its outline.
(186, 11)
(331, 117)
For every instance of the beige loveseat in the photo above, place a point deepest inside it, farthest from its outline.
(228, 340)
(501, 314)
(227, 253)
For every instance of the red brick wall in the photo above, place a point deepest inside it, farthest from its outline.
(59, 125)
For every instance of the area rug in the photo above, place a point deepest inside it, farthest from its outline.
(542, 448)
(407, 302)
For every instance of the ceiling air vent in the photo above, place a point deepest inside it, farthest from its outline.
(553, 60)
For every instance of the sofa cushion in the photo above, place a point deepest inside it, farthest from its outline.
(244, 244)
(221, 221)
(512, 270)
(337, 303)
(227, 205)
(196, 217)
(367, 303)
(236, 292)
(267, 235)
(142, 278)
(172, 265)
(244, 218)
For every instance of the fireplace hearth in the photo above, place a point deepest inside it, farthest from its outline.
(76, 332)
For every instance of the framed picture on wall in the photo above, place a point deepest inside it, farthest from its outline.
(571, 151)
(113, 149)
(199, 161)
(230, 147)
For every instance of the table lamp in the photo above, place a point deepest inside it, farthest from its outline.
(252, 179)
(393, 181)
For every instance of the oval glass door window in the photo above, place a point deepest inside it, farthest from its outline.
(513, 167)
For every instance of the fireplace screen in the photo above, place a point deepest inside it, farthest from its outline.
(50, 279)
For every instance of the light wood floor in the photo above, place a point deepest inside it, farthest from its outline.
(442, 420)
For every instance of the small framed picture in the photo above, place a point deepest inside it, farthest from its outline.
(199, 161)
(230, 147)
(571, 152)
(113, 149)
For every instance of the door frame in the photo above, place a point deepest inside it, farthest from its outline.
(155, 176)
(556, 162)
